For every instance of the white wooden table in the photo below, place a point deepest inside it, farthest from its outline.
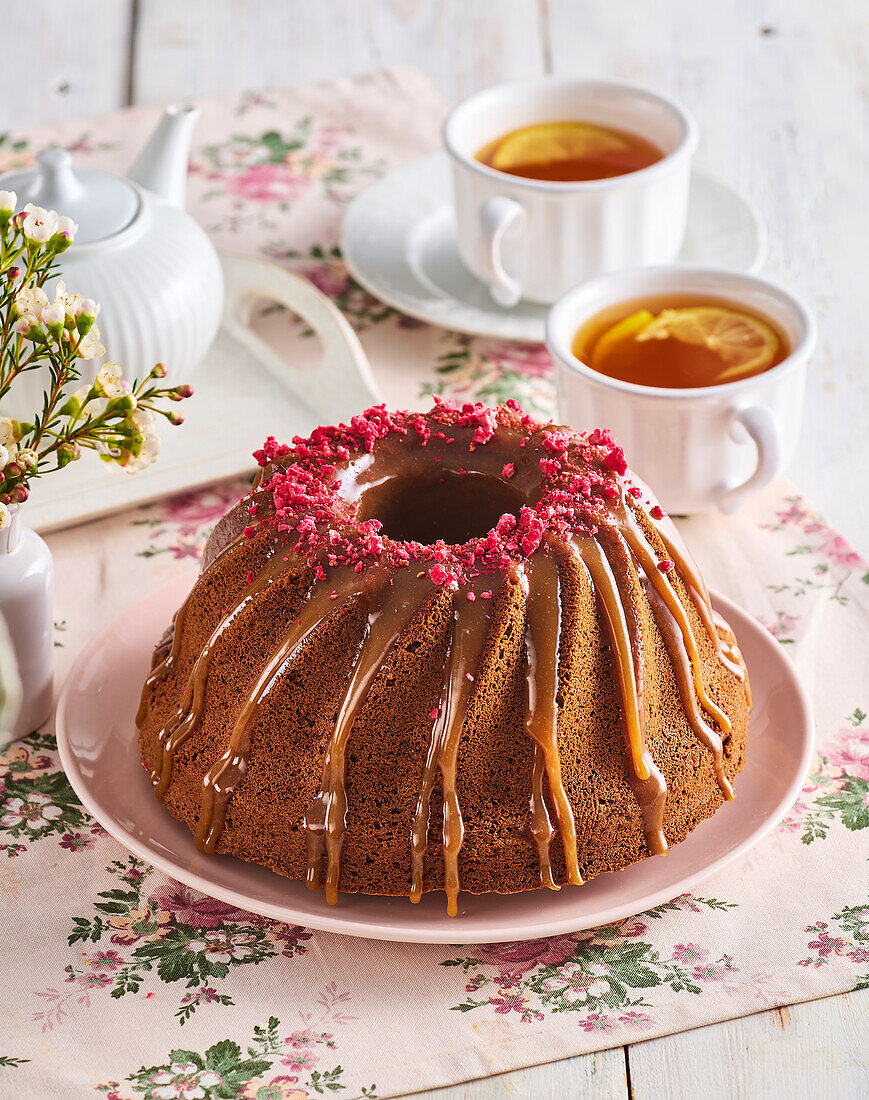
(780, 88)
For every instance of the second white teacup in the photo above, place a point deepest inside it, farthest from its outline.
(533, 238)
(701, 448)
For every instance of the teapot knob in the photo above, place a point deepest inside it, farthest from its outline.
(56, 183)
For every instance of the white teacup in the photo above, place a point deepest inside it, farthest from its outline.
(698, 448)
(529, 238)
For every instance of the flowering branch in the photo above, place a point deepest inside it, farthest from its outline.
(112, 417)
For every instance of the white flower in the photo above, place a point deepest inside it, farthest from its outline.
(72, 303)
(27, 457)
(30, 299)
(39, 225)
(5, 516)
(53, 316)
(109, 381)
(8, 436)
(34, 809)
(183, 1081)
(4, 456)
(90, 346)
(145, 446)
(8, 202)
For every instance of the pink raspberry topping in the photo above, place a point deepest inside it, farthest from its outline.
(568, 482)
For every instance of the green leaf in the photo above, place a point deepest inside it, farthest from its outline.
(177, 964)
(223, 1056)
(640, 977)
(183, 1056)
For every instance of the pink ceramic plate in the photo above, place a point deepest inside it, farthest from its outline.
(96, 738)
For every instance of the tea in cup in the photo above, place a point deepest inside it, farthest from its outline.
(699, 374)
(568, 152)
(557, 179)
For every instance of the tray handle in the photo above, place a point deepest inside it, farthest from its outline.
(342, 383)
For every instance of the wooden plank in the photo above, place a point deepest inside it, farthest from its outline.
(600, 1076)
(64, 59)
(208, 46)
(778, 87)
(807, 1051)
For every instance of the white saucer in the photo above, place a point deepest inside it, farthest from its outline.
(399, 241)
(97, 742)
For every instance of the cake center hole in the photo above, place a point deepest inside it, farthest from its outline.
(444, 505)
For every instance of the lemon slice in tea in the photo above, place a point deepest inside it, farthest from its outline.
(550, 142)
(745, 344)
(625, 329)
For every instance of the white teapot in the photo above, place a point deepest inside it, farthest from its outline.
(151, 267)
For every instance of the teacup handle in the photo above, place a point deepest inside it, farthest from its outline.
(342, 382)
(500, 217)
(762, 425)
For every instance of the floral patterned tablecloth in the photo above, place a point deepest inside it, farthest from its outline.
(117, 980)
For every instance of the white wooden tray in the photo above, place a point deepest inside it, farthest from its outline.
(244, 391)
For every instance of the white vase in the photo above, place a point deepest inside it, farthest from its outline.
(26, 603)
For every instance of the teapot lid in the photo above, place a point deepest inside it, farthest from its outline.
(101, 204)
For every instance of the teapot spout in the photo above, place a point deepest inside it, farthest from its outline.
(161, 167)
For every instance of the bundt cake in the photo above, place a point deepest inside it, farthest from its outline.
(459, 650)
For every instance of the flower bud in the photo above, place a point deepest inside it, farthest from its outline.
(12, 471)
(86, 313)
(66, 453)
(8, 202)
(13, 273)
(28, 327)
(65, 230)
(71, 407)
(18, 219)
(5, 498)
(159, 370)
(20, 493)
(184, 391)
(126, 403)
(175, 418)
(53, 317)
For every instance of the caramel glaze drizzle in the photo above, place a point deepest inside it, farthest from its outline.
(728, 653)
(620, 615)
(186, 717)
(673, 640)
(325, 821)
(162, 669)
(606, 561)
(675, 627)
(322, 604)
(468, 633)
(542, 641)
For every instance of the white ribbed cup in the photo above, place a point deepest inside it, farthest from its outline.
(535, 239)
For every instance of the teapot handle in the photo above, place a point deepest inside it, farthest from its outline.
(342, 383)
